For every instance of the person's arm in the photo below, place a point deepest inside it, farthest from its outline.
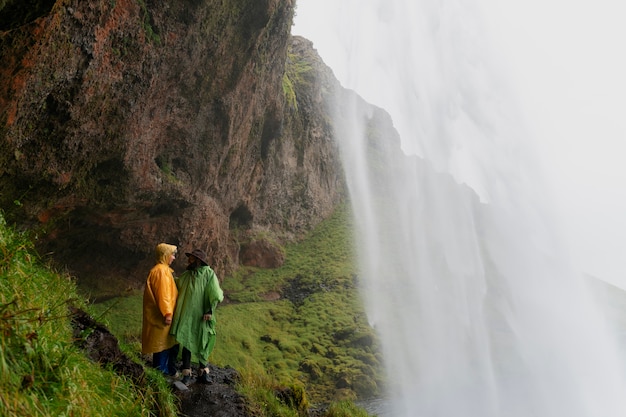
(213, 295)
(165, 294)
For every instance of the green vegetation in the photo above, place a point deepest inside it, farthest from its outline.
(289, 92)
(315, 336)
(295, 70)
(292, 353)
(345, 409)
(43, 372)
(166, 168)
(267, 399)
(147, 26)
(317, 332)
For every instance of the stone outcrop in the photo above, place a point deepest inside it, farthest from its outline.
(261, 253)
(126, 123)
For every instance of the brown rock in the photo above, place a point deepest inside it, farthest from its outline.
(261, 253)
(124, 124)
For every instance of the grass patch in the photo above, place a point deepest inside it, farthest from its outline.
(345, 409)
(315, 335)
(267, 399)
(124, 316)
(325, 257)
(42, 371)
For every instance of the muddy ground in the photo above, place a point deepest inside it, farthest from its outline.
(217, 398)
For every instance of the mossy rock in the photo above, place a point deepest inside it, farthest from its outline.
(312, 368)
(365, 387)
(294, 396)
(319, 349)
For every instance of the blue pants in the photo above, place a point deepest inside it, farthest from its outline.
(165, 361)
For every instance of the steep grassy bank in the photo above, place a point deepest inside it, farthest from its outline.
(317, 331)
(43, 372)
(302, 324)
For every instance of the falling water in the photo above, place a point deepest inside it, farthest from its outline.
(465, 276)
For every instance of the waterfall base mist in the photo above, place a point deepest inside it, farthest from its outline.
(465, 274)
(478, 310)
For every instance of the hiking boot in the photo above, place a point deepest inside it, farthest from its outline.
(204, 376)
(186, 376)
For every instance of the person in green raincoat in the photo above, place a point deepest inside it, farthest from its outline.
(194, 322)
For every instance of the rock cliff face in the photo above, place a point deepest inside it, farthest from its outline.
(125, 123)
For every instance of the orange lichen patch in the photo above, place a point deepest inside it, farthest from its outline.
(11, 114)
(18, 68)
(62, 206)
(115, 23)
(40, 27)
(172, 37)
(63, 178)
(271, 296)
(8, 90)
(12, 91)
(44, 216)
(120, 15)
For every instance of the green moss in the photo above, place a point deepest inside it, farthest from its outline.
(344, 409)
(166, 168)
(294, 79)
(151, 34)
(322, 337)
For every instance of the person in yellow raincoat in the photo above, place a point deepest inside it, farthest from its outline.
(194, 322)
(159, 303)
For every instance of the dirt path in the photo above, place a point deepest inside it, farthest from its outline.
(217, 398)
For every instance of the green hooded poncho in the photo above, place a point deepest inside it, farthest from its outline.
(199, 292)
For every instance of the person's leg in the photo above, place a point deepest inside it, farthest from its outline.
(203, 374)
(203, 371)
(186, 357)
(159, 361)
(171, 360)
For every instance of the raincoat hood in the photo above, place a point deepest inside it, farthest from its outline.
(163, 252)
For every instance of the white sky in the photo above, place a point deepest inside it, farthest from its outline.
(567, 63)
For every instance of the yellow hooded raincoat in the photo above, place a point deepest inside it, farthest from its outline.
(159, 301)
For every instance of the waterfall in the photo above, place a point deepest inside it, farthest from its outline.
(465, 275)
